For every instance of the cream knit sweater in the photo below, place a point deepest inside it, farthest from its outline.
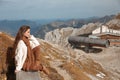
(21, 51)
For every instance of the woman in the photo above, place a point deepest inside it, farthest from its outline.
(27, 49)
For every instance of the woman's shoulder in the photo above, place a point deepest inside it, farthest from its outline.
(21, 43)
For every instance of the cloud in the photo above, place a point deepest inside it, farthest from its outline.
(4, 2)
(1, 1)
(118, 1)
(57, 8)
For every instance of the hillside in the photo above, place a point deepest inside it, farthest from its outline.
(5, 42)
(74, 23)
(114, 23)
(74, 63)
(108, 58)
(40, 27)
(67, 63)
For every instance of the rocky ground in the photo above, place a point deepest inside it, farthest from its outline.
(102, 65)
(72, 64)
(65, 62)
(109, 59)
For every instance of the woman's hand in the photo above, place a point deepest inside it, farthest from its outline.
(27, 33)
(16, 71)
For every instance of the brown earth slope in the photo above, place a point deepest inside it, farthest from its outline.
(5, 42)
(63, 63)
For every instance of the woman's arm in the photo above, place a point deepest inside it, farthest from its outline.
(33, 42)
(21, 54)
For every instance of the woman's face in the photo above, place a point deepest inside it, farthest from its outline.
(27, 33)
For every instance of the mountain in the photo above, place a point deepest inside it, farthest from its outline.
(65, 63)
(75, 23)
(40, 27)
(114, 23)
(44, 21)
(12, 26)
(60, 36)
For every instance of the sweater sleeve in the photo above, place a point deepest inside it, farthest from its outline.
(21, 54)
(33, 42)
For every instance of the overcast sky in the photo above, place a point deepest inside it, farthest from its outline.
(52, 9)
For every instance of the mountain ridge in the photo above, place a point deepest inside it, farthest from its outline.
(62, 59)
(75, 23)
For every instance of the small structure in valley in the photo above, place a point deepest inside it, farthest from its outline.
(106, 33)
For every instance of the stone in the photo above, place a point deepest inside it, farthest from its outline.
(23, 75)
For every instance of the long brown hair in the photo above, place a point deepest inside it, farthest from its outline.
(19, 35)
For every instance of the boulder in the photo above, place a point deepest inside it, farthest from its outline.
(22, 75)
